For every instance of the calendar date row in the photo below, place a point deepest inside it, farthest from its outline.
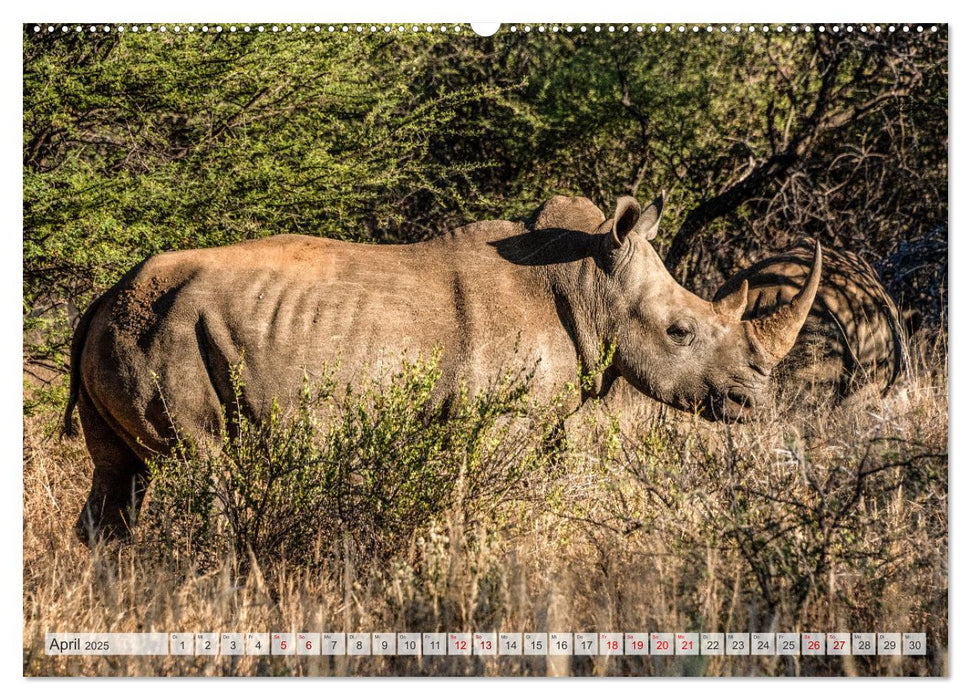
(490, 644)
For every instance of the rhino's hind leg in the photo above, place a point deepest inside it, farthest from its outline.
(118, 485)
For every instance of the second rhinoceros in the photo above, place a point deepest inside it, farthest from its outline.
(159, 347)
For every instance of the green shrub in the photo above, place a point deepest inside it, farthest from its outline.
(354, 472)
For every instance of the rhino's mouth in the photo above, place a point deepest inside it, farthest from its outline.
(734, 405)
(740, 398)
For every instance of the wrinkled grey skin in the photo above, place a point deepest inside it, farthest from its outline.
(157, 348)
(853, 338)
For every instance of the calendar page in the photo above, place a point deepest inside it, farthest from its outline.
(524, 349)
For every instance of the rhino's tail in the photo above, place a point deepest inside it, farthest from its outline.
(77, 346)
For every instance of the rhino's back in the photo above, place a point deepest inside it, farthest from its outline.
(853, 336)
(273, 295)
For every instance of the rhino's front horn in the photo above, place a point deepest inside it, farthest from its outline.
(777, 332)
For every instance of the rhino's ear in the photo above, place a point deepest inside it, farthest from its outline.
(626, 217)
(650, 218)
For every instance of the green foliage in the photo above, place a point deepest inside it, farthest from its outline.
(346, 473)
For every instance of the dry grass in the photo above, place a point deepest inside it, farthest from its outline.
(815, 520)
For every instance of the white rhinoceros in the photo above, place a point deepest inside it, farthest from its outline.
(158, 347)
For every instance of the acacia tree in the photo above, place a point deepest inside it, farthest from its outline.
(853, 149)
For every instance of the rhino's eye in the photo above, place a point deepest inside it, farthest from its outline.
(681, 333)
